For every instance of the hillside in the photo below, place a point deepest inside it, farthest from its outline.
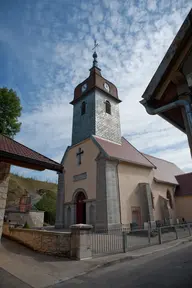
(18, 185)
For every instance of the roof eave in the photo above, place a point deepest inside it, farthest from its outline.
(167, 61)
(172, 122)
(74, 101)
(164, 182)
(22, 161)
(131, 162)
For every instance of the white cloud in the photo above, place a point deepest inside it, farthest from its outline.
(152, 5)
(132, 41)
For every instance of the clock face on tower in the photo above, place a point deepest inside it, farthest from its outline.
(84, 87)
(106, 86)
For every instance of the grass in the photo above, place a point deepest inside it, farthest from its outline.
(18, 184)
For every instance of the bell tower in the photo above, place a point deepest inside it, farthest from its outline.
(96, 108)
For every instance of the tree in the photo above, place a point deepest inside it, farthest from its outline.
(48, 204)
(10, 110)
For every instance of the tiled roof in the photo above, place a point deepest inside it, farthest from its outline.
(125, 152)
(10, 148)
(185, 185)
(165, 171)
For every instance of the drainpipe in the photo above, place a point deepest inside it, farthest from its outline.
(186, 112)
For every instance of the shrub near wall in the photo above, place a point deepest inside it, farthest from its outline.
(48, 242)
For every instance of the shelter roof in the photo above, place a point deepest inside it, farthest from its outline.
(17, 154)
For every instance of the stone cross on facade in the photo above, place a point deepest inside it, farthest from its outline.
(79, 154)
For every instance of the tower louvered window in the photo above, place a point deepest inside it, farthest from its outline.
(108, 107)
(83, 108)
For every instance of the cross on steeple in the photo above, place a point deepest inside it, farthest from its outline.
(79, 154)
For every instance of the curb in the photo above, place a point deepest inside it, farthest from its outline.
(121, 260)
(129, 258)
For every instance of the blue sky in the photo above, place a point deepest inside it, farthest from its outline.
(46, 50)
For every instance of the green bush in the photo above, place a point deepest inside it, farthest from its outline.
(48, 204)
(26, 226)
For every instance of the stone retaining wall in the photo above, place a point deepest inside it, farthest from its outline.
(48, 242)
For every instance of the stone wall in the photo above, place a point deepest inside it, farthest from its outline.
(112, 194)
(4, 181)
(96, 121)
(107, 126)
(83, 125)
(48, 242)
(33, 218)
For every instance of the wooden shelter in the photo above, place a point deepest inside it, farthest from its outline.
(17, 154)
(169, 91)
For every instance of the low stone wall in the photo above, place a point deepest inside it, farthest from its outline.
(48, 242)
(33, 218)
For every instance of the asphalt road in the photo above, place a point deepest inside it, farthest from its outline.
(173, 270)
(7, 280)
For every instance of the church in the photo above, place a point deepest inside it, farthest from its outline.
(106, 181)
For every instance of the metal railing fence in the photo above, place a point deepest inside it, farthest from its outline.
(123, 239)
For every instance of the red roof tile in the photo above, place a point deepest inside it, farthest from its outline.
(185, 185)
(10, 148)
(125, 152)
(166, 171)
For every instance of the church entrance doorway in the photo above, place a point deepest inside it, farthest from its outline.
(80, 208)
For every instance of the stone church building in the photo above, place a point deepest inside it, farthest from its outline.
(107, 182)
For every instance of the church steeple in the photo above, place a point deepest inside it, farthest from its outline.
(95, 80)
(95, 68)
(96, 109)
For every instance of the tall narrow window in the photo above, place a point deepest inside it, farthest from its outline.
(108, 107)
(83, 108)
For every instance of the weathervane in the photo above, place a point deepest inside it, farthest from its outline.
(95, 45)
(95, 53)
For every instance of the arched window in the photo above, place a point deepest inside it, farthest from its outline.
(169, 197)
(108, 107)
(83, 108)
(152, 200)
